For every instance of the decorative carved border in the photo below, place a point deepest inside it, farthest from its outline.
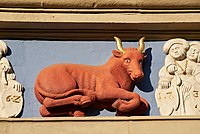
(59, 20)
(108, 4)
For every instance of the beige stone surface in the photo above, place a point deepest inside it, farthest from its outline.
(153, 4)
(99, 19)
(98, 24)
(102, 125)
(166, 127)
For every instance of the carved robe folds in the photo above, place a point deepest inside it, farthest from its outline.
(11, 100)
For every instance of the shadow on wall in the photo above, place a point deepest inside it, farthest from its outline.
(147, 87)
(145, 84)
(9, 51)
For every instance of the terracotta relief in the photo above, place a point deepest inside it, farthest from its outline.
(69, 89)
(10, 90)
(179, 85)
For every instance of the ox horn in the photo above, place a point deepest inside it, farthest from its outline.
(119, 44)
(141, 45)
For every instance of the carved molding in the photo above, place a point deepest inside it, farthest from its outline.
(153, 4)
(99, 125)
(97, 24)
(99, 20)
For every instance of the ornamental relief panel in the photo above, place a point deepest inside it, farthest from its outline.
(11, 100)
(179, 79)
(177, 92)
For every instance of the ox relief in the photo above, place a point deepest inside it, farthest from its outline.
(70, 89)
(11, 100)
(179, 85)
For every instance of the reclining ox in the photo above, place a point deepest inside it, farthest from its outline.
(69, 89)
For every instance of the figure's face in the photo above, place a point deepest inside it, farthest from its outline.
(193, 53)
(176, 51)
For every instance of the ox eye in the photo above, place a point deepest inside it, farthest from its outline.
(127, 60)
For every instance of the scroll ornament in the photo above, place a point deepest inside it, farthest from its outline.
(11, 100)
(178, 91)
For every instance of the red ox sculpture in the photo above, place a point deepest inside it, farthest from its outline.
(68, 89)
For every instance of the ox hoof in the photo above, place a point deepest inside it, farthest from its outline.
(85, 101)
(141, 110)
(79, 114)
(118, 103)
(125, 106)
(44, 112)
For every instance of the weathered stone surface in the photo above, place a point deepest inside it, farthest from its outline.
(99, 125)
(153, 4)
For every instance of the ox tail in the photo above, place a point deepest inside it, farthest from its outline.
(43, 93)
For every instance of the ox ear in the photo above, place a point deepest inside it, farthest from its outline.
(117, 53)
(144, 55)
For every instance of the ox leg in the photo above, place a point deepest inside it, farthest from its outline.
(125, 101)
(141, 110)
(39, 96)
(53, 112)
(126, 105)
(50, 102)
(79, 100)
(61, 111)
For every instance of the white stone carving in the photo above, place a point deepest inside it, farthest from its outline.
(178, 91)
(11, 100)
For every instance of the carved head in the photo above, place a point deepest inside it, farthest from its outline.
(194, 51)
(131, 59)
(3, 48)
(176, 48)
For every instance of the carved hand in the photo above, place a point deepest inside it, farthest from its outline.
(172, 69)
(6, 67)
(164, 84)
(186, 86)
(16, 85)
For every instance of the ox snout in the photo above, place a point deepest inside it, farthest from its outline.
(136, 76)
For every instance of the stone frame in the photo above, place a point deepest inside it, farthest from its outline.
(99, 20)
(92, 20)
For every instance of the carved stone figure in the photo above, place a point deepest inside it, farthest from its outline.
(179, 84)
(69, 89)
(10, 90)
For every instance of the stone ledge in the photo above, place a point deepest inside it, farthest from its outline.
(57, 25)
(99, 125)
(153, 4)
(102, 118)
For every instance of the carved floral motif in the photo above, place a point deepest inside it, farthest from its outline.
(179, 85)
(11, 99)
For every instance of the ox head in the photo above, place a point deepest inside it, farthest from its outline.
(131, 58)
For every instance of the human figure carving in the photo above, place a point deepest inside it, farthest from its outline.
(179, 75)
(10, 89)
(69, 89)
